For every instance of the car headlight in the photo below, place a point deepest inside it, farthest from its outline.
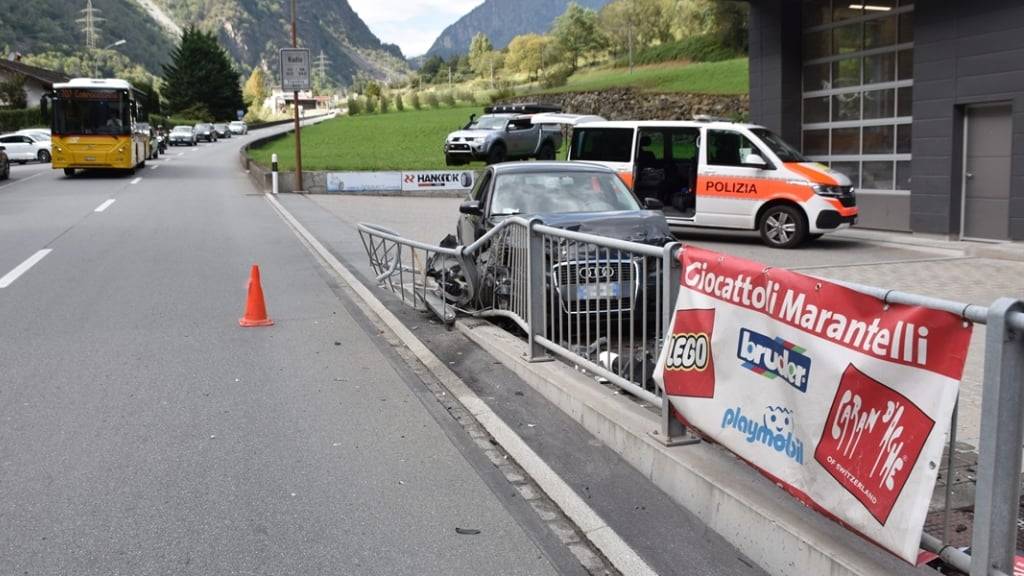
(831, 191)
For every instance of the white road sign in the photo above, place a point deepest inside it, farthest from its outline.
(294, 69)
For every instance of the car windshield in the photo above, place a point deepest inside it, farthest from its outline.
(780, 147)
(551, 193)
(182, 129)
(489, 123)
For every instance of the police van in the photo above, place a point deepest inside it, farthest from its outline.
(718, 174)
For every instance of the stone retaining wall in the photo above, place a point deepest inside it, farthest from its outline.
(631, 104)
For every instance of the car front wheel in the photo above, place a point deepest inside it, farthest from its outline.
(6, 172)
(497, 154)
(783, 226)
(44, 156)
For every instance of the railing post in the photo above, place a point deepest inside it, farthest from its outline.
(673, 433)
(536, 292)
(997, 494)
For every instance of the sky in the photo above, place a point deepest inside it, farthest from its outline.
(412, 24)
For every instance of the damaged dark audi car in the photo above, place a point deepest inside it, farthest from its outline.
(583, 280)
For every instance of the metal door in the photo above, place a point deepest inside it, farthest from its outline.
(986, 175)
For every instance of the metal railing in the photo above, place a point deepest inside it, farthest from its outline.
(604, 306)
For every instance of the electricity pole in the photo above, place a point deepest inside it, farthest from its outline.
(88, 21)
(295, 104)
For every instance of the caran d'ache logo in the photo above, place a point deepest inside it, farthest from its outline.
(689, 366)
(871, 441)
(774, 358)
(773, 429)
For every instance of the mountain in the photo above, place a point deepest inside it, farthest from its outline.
(502, 20)
(251, 31)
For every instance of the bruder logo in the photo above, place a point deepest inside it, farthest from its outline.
(775, 430)
(774, 358)
(871, 441)
(689, 365)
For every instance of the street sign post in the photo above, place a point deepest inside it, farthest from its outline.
(294, 69)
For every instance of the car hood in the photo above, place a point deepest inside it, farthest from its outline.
(643, 226)
(462, 134)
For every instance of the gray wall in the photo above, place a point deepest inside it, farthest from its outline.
(964, 53)
(775, 70)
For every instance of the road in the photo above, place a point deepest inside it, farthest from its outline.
(144, 432)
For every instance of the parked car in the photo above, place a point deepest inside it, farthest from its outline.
(22, 148)
(712, 173)
(585, 198)
(504, 133)
(154, 145)
(182, 136)
(238, 127)
(5, 165)
(36, 133)
(222, 130)
(205, 132)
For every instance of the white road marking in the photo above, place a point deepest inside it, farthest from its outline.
(13, 182)
(181, 153)
(13, 275)
(136, 180)
(106, 204)
(154, 166)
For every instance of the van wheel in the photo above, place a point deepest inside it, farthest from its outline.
(497, 154)
(783, 226)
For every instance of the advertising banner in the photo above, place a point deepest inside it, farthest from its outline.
(842, 400)
(437, 180)
(364, 181)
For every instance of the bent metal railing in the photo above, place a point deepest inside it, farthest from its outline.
(604, 306)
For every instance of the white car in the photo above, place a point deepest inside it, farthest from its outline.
(36, 133)
(238, 127)
(22, 148)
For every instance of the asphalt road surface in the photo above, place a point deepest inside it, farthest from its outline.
(142, 431)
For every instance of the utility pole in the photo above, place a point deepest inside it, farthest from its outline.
(449, 76)
(89, 20)
(295, 104)
(322, 61)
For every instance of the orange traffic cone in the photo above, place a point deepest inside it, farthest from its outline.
(255, 308)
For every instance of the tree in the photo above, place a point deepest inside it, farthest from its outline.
(527, 53)
(725, 22)
(256, 89)
(630, 25)
(201, 74)
(479, 48)
(577, 33)
(12, 92)
(150, 103)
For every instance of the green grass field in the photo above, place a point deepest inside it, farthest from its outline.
(409, 140)
(725, 77)
(412, 140)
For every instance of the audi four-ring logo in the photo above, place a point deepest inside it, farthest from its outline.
(595, 273)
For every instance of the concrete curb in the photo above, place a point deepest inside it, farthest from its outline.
(771, 528)
(620, 554)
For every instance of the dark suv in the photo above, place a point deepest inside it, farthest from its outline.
(205, 132)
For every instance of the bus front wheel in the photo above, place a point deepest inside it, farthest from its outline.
(69, 172)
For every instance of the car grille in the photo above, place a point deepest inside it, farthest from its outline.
(463, 147)
(569, 277)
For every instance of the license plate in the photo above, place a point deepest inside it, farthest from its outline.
(598, 291)
(90, 158)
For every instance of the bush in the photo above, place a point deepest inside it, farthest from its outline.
(555, 76)
(353, 106)
(370, 104)
(414, 100)
(700, 48)
(448, 99)
(385, 102)
(466, 97)
(505, 91)
(431, 100)
(399, 104)
(12, 92)
(11, 120)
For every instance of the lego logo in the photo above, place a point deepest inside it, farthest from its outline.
(688, 352)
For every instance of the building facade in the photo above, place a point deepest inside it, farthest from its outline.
(38, 81)
(920, 103)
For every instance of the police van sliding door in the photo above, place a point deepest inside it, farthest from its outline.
(729, 187)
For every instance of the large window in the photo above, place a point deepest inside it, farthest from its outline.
(88, 112)
(858, 89)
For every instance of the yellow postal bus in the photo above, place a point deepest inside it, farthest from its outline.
(94, 126)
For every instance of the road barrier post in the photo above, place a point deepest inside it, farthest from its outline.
(996, 504)
(536, 292)
(273, 173)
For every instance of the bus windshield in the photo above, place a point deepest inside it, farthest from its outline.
(89, 112)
